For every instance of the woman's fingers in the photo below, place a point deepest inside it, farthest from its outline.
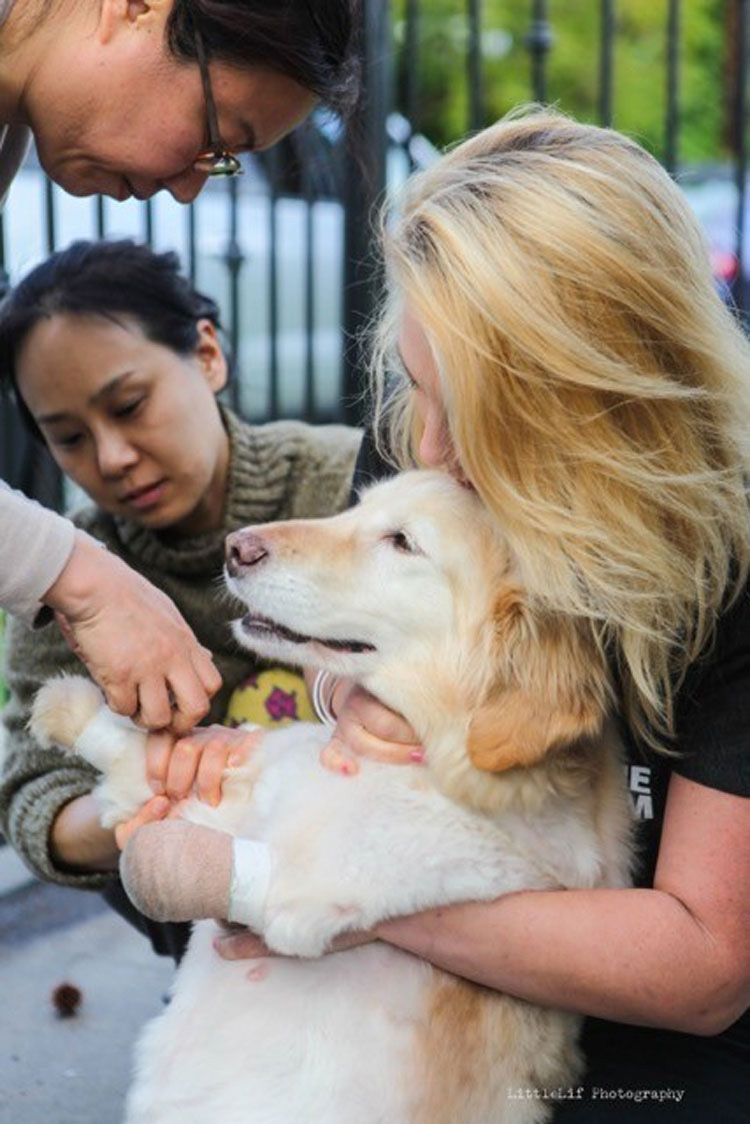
(154, 809)
(335, 757)
(368, 728)
(189, 684)
(179, 766)
(154, 707)
(183, 766)
(240, 945)
(227, 749)
(243, 944)
(158, 752)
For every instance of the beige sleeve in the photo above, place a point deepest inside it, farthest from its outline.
(35, 545)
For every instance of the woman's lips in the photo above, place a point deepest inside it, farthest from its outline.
(147, 497)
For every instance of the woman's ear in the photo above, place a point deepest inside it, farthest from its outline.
(550, 688)
(210, 356)
(120, 15)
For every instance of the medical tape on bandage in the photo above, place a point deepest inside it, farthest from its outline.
(251, 875)
(105, 738)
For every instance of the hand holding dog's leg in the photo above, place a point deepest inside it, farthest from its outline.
(151, 812)
(175, 766)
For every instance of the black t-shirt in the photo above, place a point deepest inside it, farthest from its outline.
(637, 1073)
(712, 732)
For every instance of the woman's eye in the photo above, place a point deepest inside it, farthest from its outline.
(128, 408)
(68, 442)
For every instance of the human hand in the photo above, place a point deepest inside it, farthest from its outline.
(158, 808)
(177, 766)
(237, 943)
(367, 728)
(133, 640)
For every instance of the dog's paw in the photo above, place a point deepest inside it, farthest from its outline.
(285, 937)
(307, 930)
(63, 707)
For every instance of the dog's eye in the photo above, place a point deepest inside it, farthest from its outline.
(399, 540)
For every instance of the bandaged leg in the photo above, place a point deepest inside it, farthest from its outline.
(178, 871)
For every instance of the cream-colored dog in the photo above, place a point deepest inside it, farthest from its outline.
(414, 594)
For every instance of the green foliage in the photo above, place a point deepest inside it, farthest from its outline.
(573, 67)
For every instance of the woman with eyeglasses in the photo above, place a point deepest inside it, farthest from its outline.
(124, 98)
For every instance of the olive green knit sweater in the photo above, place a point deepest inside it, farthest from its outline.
(282, 470)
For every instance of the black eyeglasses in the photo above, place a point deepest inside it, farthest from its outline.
(217, 160)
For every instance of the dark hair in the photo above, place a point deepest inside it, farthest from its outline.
(109, 279)
(310, 41)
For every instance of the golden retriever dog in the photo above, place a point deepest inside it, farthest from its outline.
(414, 594)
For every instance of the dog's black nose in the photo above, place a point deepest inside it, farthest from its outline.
(243, 549)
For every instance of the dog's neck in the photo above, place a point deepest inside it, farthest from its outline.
(440, 712)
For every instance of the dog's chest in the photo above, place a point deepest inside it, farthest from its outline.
(368, 1003)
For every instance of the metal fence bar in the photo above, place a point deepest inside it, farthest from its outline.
(672, 121)
(309, 295)
(273, 289)
(234, 258)
(363, 188)
(50, 240)
(411, 55)
(191, 243)
(539, 41)
(607, 62)
(474, 64)
(148, 216)
(100, 223)
(742, 293)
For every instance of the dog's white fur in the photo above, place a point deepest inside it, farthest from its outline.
(522, 788)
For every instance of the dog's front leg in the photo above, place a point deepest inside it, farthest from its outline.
(70, 712)
(387, 851)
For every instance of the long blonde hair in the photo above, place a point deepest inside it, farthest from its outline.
(596, 388)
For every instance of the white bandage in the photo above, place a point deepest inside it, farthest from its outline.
(106, 737)
(251, 875)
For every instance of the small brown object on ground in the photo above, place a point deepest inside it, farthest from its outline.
(66, 999)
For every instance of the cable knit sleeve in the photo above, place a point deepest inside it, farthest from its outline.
(36, 783)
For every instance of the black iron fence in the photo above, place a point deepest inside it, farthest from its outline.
(287, 250)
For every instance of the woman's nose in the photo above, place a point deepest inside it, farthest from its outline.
(114, 454)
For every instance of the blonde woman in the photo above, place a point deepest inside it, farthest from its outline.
(563, 352)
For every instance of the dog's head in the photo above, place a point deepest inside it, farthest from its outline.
(415, 594)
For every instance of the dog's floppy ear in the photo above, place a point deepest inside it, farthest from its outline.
(550, 688)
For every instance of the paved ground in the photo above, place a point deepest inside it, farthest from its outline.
(75, 1070)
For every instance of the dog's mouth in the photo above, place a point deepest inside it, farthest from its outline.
(263, 626)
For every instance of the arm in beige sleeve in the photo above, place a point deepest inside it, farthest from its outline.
(35, 547)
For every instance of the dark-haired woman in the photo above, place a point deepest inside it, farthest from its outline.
(116, 362)
(125, 99)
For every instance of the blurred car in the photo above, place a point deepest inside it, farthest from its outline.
(713, 194)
